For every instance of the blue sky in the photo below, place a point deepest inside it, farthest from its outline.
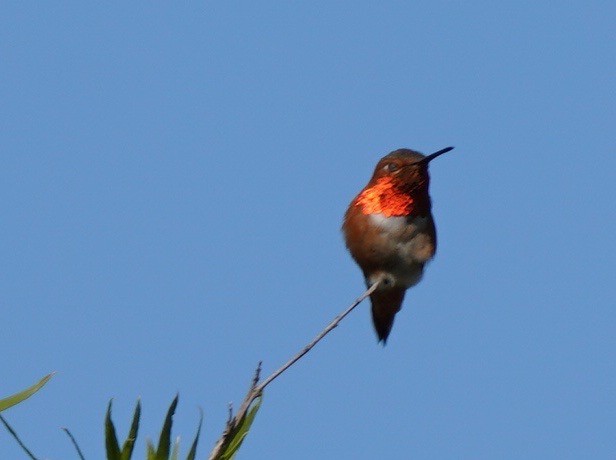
(172, 184)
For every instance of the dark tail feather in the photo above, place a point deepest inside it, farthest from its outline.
(385, 305)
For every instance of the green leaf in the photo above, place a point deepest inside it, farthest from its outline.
(151, 454)
(74, 442)
(111, 440)
(129, 444)
(241, 431)
(19, 441)
(22, 395)
(176, 450)
(193, 449)
(164, 442)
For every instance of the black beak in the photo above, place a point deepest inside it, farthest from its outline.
(429, 158)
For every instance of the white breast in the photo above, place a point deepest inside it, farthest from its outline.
(399, 224)
(389, 224)
(404, 239)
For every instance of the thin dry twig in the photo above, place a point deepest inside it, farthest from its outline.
(256, 388)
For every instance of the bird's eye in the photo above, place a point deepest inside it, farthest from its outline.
(392, 167)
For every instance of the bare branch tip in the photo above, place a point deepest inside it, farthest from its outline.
(257, 376)
(230, 409)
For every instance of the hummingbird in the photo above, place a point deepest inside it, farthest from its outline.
(389, 231)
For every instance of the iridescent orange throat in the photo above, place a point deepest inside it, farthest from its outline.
(387, 198)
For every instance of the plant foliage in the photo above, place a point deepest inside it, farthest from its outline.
(12, 400)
